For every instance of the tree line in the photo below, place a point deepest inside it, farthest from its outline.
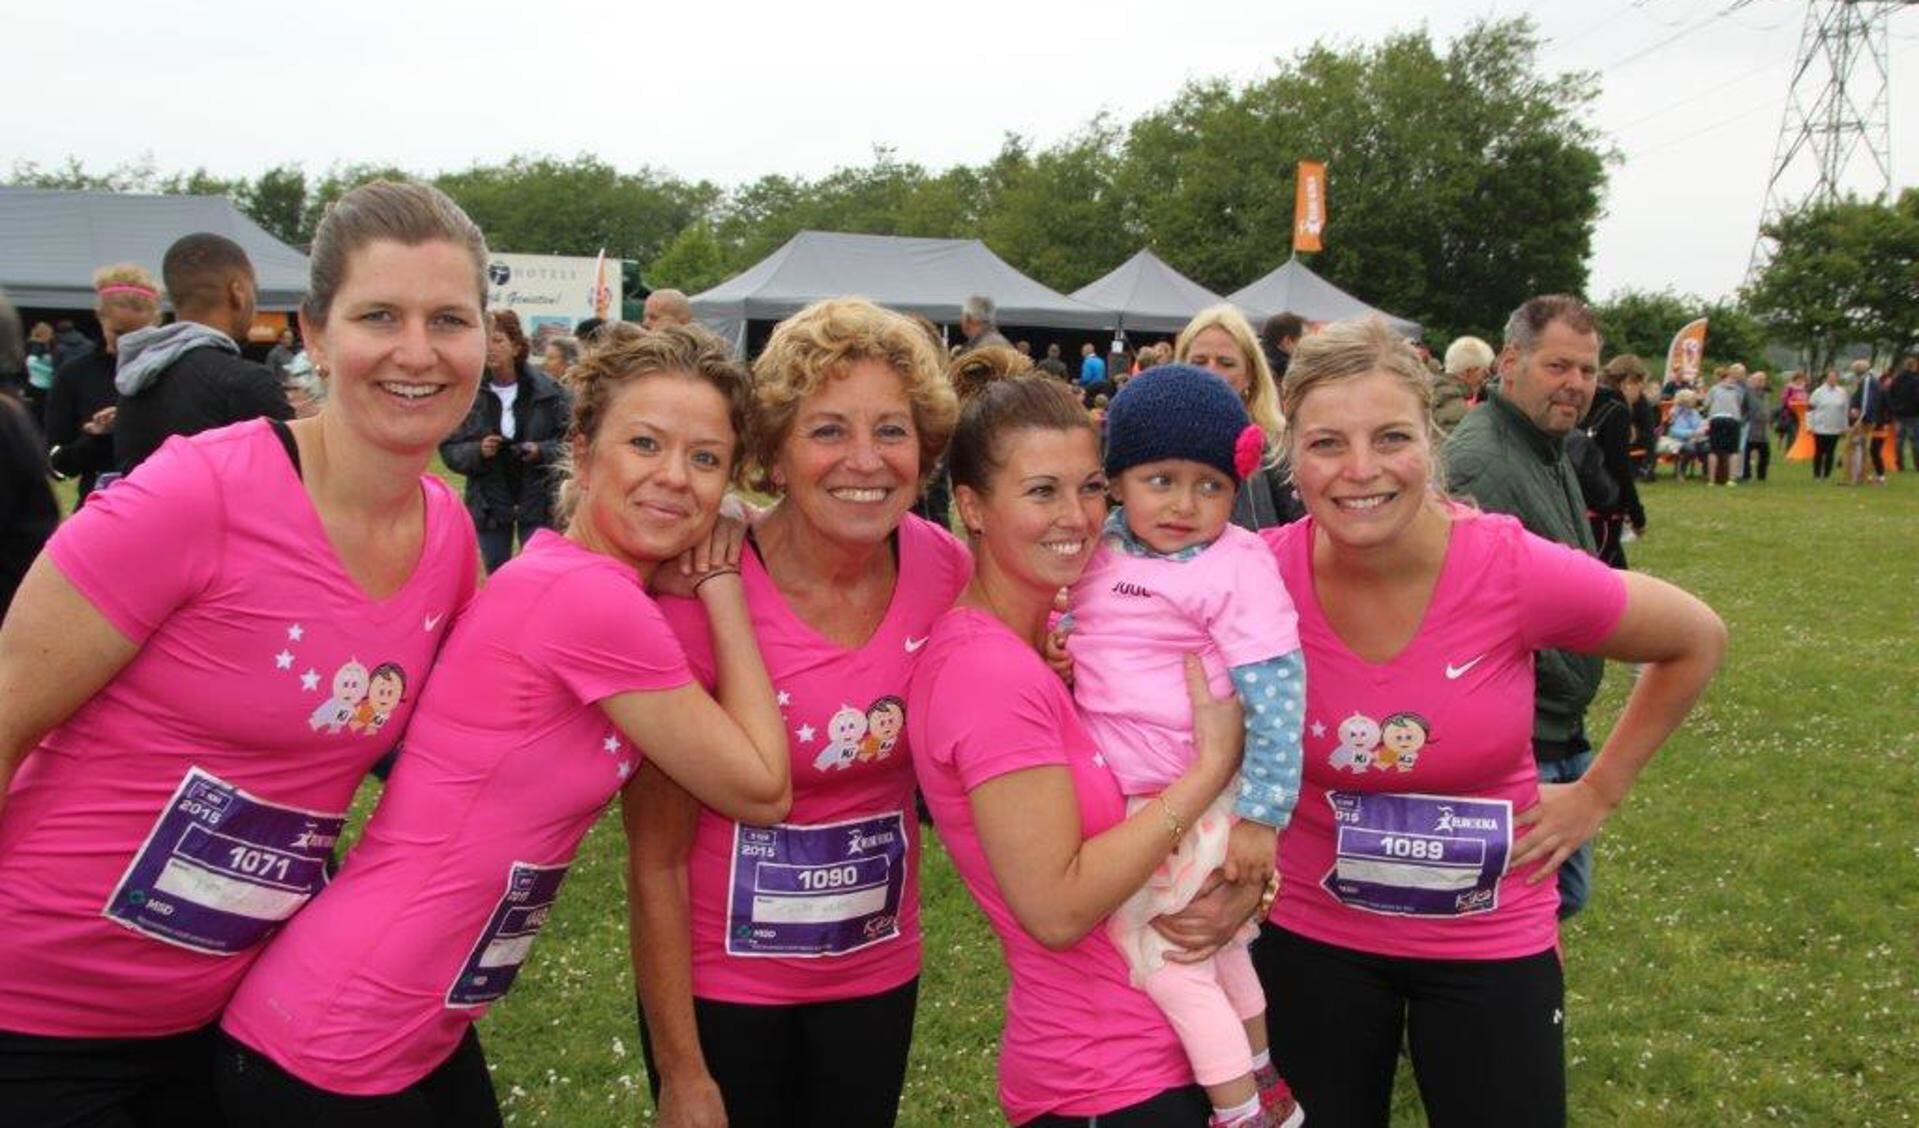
(1464, 178)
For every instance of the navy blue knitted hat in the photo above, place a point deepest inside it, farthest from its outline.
(1179, 411)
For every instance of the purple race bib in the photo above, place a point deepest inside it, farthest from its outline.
(1418, 855)
(508, 936)
(816, 890)
(220, 870)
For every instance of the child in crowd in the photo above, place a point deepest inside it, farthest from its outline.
(1171, 577)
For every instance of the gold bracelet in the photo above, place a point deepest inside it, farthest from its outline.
(1271, 894)
(1173, 822)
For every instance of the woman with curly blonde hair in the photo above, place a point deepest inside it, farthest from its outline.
(778, 966)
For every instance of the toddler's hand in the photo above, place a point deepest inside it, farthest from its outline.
(1250, 852)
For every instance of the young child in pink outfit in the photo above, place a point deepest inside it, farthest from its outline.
(1172, 577)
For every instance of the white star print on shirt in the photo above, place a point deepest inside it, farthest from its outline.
(785, 699)
(611, 744)
(310, 681)
(1319, 729)
(283, 660)
(805, 733)
(296, 632)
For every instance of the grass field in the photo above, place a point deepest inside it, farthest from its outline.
(1749, 956)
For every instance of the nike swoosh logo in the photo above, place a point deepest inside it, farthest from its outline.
(913, 644)
(1455, 672)
(433, 621)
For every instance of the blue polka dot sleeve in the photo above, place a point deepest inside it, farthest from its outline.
(1273, 693)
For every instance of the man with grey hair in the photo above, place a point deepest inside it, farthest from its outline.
(666, 307)
(979, 322)
(1468, 360)
(1510, 457)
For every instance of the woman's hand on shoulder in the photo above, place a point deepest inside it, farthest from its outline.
(717, 555)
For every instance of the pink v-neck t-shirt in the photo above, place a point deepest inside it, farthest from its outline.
(509, 762)
(1080, 1039)
(825, 905)
(153, 842)
(1416, 767)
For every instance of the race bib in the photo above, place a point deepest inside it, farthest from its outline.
(508, 936)
(816, 890)
(221, 869)
(1419, 855)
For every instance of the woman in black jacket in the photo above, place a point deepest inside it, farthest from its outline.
(80, 404)
(1609, 422)
(509, 444)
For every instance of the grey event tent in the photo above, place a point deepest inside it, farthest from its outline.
(930, 277)
(1295, 289)
(51, 241)
(1149, 295)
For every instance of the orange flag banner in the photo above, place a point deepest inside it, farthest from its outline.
(1309, 205)
(1687, 350)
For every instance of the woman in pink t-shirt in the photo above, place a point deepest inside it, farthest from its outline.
(1416, 903)
(779, 965)
(206, 661)
(1035, 822)
(557, 680)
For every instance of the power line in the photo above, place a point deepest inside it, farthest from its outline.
(1747, 76)
(1721, 124)
(1676, 36)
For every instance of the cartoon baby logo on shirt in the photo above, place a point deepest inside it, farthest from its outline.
(349, 689)
(843, 731)
(1394, 744)
(361, 701)
(885, 720)
(385, 689)
(858, 736)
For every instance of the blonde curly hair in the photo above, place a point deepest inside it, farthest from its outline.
(823, 342)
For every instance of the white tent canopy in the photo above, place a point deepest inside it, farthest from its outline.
(51, 242)
(930, 277)
(1295, 289)
(1149, 295)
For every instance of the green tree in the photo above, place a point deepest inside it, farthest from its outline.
(694, 261)
(1643, 322)
(277, 201)
(1460, 182)
(1059, 215)
(1845, 271)
(540, 205)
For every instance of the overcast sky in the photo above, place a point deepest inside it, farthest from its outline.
(729, 92)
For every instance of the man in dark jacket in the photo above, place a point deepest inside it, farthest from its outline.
(509, 444)
(1277, 337)
(1902, 400)
(188, 377)
(1509, 456)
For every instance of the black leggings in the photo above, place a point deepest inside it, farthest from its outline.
(1174, 1108)
(1761, 452)
(1823, 448)
(805, 1065)
(256, 1093)
(1486, 1036)
(165, 1082)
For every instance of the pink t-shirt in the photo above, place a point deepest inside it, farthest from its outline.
(1415, 767)
(508, 763)
(1080, 1039)
(151, 843)
(1135, 620)
(825, 905)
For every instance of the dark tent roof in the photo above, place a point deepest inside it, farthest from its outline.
(1148, 294)
(52, 241)
(1295, 289)
(930, 277)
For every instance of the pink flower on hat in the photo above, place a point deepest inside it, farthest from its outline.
(1248, 449)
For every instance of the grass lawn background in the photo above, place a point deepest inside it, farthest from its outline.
(1749, 954)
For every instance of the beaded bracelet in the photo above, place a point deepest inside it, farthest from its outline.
(713, 575)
